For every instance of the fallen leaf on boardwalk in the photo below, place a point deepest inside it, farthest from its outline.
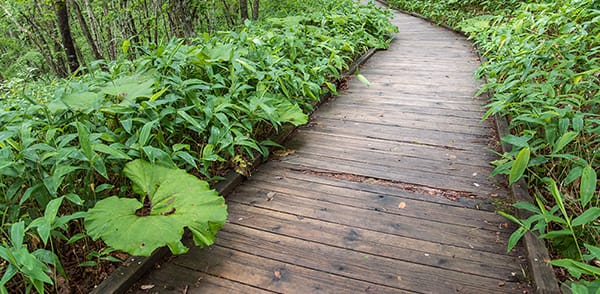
(402, 205)
(147, 287)
(399, 278)
(476, 185)
(501, 284)
(474, 174)
(370, 181)
(270, 196)
(277, 275)
(284, 152)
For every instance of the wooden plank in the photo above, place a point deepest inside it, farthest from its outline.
(319, 163)
(417, 209)
(462, 77)
(474, 105)
(381, 103)
(350, 264)
(402, 134)
(479, 159)
(466, 174)
(402, 76)
(172, 278)
(370, 185)
(486, 264)
(426, 230)
(268, 274)
(397, 117)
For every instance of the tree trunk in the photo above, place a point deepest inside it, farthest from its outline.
(255, 10)
(44, 50)
(243, 10)
(112, 50)
(227, 11)
(62, 17)
(86, 32)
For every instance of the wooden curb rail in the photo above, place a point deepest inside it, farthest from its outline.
(135, 267)
(537, 253)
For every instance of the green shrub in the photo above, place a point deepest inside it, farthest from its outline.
(543, 70)
(200, 105)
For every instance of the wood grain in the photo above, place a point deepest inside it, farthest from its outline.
(386, 190)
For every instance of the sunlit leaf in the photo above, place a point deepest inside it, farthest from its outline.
(519, 165)
(178, 200)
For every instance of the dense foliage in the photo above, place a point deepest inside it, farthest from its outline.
(543, 69)
(199, 104)
(38, 38)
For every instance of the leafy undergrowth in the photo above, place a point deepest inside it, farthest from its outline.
(195, 106)
(543, 70)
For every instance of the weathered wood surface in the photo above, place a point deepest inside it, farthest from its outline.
(386, 191)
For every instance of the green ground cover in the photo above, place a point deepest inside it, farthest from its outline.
(123, 136)
(543, 71)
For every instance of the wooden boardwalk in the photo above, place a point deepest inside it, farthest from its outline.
(386, 191)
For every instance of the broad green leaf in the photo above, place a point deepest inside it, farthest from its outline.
(17, 232)
(78, 101)
(289, 112)
(511, 218)
(553, 188)
(594, 251)
(84, 141)
(197, 126)
(558, 233)
(178, 200)
(564, 140)
(74, 198)
(573, 175)
(527, 206)
(112, 152)
(158, 94)
(587, 187)
(189, 159)
(9, 273)
(514, 238)
(145, 133)
(52, 209)
(519, 165)
(576, 268)
(129, 88)
(587, 216)
(520, 142)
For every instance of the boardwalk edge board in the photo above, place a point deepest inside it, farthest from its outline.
(136, 266)
(537, 253)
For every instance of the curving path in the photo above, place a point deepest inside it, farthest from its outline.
(387, 191)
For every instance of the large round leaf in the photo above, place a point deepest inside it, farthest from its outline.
(176, 200)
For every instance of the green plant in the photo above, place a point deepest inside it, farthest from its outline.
(170, 200)
(542, 72)
(202, 104)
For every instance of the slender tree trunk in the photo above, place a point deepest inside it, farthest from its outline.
(86, 31)
(44, 50)
(94, 25)
(62, 17)
(243, 10)
(112, 51)
(228, 16)
(255, 10)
